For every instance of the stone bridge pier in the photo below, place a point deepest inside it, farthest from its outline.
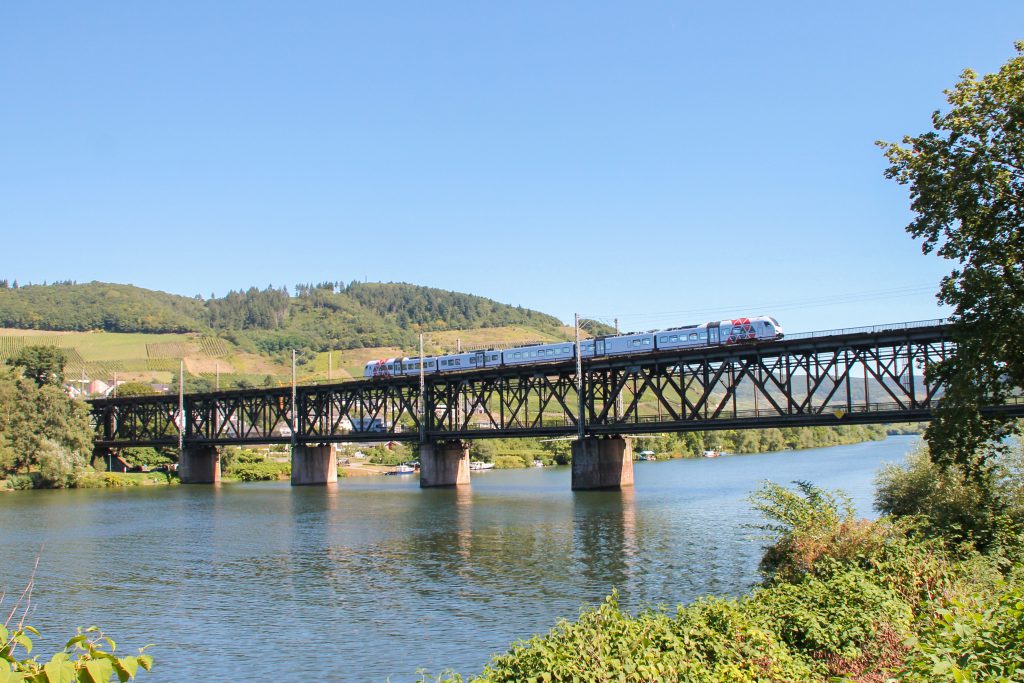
(602, 463)
(199, 465)
(444, 464)
(314, 464)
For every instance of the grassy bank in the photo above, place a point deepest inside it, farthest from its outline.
(88, 479)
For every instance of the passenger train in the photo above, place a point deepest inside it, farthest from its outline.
(715, 333)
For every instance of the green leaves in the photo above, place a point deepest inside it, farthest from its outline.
(95, 661)
(966, 182)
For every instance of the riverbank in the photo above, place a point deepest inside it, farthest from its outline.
(91, 480)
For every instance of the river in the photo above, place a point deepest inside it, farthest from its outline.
(377, 578)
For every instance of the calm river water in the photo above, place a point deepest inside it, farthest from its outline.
(378, 578)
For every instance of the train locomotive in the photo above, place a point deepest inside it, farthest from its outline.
(714, 333)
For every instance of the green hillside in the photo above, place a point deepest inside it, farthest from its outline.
(246, 337)
(314, 317)
(98, 306)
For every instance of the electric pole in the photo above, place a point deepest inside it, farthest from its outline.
(181, 405)
(423, 398)
(580, 428)
(292, 417)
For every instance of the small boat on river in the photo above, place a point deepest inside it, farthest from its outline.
(476, 465)
(403, 469)
(713, 454)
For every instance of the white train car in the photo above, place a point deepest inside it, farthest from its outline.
(540, 353)
(714, 333)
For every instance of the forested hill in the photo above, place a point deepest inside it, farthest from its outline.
(317, 317)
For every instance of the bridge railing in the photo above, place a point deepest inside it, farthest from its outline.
(873, 329)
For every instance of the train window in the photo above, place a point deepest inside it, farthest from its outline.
(517, 354)
(674, 338)
(458, 361)
(647, 342)
(636, 342)
(693, 335)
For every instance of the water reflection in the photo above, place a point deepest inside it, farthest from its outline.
(604, 543)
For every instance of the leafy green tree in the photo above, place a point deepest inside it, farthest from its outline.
(40, 425)
(43, 364)
(134, 389)
(966, 180)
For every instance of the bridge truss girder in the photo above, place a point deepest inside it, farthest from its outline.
(861, 378)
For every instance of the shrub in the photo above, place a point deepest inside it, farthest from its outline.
(712, 641)
(58, 466)
(980, 638)
(806, 524)
(261, 471)
(985, 513)
(506, 462)
(22, 482)
(833, 620)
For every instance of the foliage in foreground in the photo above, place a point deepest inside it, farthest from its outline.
(843, 599)
(89, 657)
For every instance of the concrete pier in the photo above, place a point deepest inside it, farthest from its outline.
(314, 465)
(602, 463)
(444, 464)
(199, 465)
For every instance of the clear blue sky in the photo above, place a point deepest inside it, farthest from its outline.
(660, 162)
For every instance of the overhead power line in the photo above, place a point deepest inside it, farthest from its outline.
(835, 298)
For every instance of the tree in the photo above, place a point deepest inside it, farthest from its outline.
(966, 180)
(43, 364)
(40, 423)
(126, 389)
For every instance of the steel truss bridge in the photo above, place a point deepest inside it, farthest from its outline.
(855, 376)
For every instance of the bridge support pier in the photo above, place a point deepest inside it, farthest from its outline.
(199, 465)
(444, 464)
(313, 465)
(602, 463)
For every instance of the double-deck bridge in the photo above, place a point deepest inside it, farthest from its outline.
(853, 376)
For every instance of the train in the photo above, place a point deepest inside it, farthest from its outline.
(714, 333)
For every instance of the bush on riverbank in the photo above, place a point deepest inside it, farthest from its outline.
(88, 478)
(985, 510)
(248, 465)
(842, 598)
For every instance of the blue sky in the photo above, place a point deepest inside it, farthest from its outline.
(659, 162)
